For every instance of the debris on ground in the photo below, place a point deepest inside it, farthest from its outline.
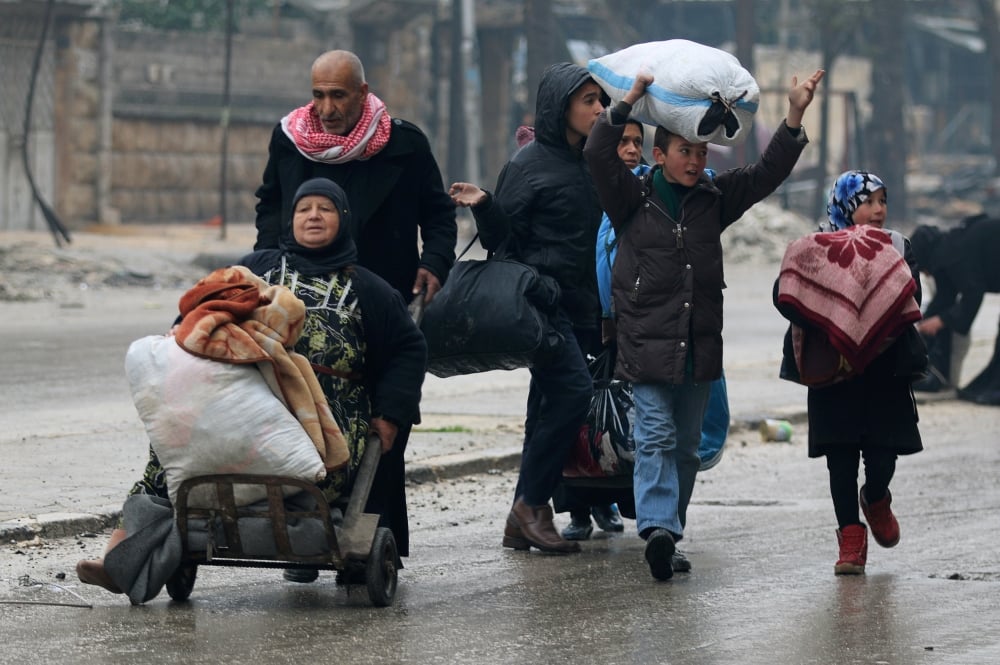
(33, 268)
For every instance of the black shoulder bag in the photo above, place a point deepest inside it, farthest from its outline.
(490, 314)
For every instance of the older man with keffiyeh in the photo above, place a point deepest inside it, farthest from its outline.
(384, 165)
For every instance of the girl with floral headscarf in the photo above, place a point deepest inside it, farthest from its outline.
(852, 191)
(868, 413)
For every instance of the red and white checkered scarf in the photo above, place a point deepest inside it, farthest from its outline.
(369, 136)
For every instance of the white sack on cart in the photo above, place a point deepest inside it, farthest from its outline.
(205, 417)
(699, 92)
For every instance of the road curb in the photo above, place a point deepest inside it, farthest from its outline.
(429, 472)
(62, 525)
(56, 525)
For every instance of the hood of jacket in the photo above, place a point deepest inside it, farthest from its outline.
(559, 82)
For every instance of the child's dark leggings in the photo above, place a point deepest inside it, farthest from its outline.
(880, 465)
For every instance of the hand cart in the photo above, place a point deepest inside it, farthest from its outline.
(355, 545)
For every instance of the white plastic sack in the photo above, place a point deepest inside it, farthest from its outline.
(205, 417)
(694, 87)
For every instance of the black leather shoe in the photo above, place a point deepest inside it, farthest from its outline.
(608, 518)
(300, 575)
(578, 529)
(988, 398)
(932, 383)
(660, 553)
(680, 563)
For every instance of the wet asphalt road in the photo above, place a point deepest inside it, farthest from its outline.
(761, 540)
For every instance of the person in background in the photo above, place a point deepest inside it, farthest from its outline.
(667, 286)
(392, 180)
(871, 415)
(964, 265)
(545, 213)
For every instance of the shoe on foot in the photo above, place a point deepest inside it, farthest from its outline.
(933, 382)
(93, 572)
(578, 529)
(853, 541)
(534, 527)
(680, 563)
(885, 528)
(660, 553)
(513, 537)
(300, 575)
(988, 398)
(608, 518)
(352, 574)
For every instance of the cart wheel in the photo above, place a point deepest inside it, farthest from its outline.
(380, 571)
(181, 583)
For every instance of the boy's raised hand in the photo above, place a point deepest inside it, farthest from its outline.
(638, 89)
(800, 96)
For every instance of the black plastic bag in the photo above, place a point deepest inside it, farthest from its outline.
(604, 447)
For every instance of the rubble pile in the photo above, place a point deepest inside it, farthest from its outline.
(33, 270)
(762, 235)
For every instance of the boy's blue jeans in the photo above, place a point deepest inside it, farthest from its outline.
(667, 430)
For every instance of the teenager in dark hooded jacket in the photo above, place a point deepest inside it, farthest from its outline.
(545, 213)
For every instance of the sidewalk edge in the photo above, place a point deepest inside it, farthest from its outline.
(62, 525)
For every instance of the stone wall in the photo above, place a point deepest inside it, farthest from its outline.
(77, 116)
(165, 138)
(169, 170)
(167, 129)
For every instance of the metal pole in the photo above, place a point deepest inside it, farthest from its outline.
(105, 212)
(457, 121)
(471, 92)
(224, 152)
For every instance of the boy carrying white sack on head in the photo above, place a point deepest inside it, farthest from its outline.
(667, 286)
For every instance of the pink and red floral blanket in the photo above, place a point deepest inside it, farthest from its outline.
(854, 286)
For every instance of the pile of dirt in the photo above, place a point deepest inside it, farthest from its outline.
(30, 272)
(762, 234)
(34, 268)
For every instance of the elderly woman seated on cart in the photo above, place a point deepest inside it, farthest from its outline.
(367, 353)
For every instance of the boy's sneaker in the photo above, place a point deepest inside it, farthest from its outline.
(885, 528)
(660, 553)
(853, 540)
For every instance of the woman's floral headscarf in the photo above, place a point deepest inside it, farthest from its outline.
(849, 191)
